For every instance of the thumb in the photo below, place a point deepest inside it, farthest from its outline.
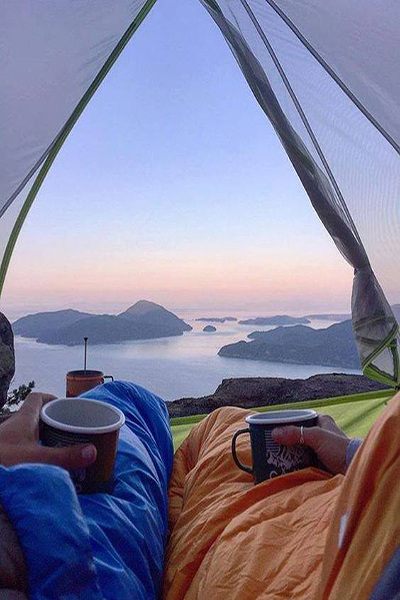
(290, 436)
(69, 457)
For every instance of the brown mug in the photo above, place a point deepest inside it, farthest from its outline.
(79, 382)
(66, 421)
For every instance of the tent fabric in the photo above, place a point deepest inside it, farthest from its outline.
(279, 539)
(98, 546)
(327, 80)
(325, 75)
(54, 58)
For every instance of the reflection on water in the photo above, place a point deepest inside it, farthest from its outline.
(175, 367)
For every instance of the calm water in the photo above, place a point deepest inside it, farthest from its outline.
(175, 367)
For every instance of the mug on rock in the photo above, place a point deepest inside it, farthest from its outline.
(81, 381)
(271, 459)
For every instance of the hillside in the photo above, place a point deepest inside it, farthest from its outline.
(34, 326)
(143, 320)
(333, 346)
(155, 314)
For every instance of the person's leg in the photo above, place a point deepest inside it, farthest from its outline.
(128, 527)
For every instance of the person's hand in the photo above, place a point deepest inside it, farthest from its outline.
(19, 440)
(326, 439)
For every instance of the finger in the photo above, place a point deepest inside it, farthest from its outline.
(290, 435)
(328, 423)
(32, 404)
(68, 457)
(47, 397)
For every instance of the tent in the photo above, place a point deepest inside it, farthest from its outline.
(325, 74)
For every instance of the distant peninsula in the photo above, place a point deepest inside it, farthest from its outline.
(144, 320)
(276, 320)
(330, 317)
(331, 347)
(216, 319)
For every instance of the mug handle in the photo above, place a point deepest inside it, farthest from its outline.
(108, 377)
(235, 458)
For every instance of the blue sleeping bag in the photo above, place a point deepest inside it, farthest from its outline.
(98, 546)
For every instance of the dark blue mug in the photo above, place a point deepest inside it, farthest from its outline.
(269, 458)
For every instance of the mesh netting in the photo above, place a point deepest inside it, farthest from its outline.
(319, 73)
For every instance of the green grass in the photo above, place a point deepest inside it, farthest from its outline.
(355, 414)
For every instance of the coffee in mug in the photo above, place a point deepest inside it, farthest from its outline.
(68, 421)
(271, 459)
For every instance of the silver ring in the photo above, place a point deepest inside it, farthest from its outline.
(301, 435)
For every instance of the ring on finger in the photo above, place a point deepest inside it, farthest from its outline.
(301, 441)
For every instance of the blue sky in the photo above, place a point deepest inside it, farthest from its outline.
(174, 187)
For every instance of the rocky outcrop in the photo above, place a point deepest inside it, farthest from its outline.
(7, 358)
(209, 328)
(249, 392)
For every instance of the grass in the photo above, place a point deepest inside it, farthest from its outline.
(355, 414)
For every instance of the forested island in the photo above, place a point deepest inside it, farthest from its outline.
(332, 347)
(144, 320)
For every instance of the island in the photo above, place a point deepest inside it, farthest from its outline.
(329, 317)
(216, 319)
(209, 328)
(144, 320)
(333, 346)
(276, 320)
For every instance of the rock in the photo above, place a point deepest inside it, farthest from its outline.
(249, 392)
(7, 358)
(209, 328)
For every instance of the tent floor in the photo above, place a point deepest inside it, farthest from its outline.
(355, 414)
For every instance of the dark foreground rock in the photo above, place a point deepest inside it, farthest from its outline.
(7, 359)
(249, 392)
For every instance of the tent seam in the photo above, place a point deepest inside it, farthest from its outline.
(303, 117)
(334, 76)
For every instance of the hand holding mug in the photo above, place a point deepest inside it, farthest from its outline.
(327, 440)
(19, 440)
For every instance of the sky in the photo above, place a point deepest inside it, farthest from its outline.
(173, 187)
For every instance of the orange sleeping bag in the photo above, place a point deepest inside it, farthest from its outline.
(232, 540)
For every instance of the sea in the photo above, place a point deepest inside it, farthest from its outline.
(175, 367)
